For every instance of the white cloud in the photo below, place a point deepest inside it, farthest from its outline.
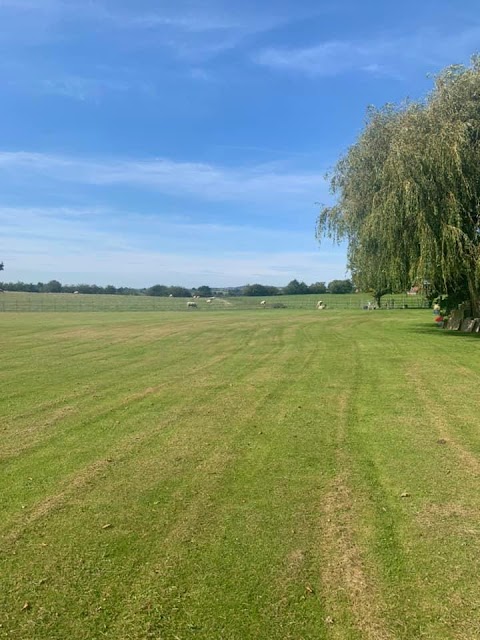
(92, 89)
(63, 229)
(193, 22)
(74, 225)
(190, 31)
(78, 88)
(30, 5)
(143, 268)
(262, 183)
(207, 29)
(377, 55)
(92, 245)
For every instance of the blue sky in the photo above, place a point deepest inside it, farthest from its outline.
(186, 142)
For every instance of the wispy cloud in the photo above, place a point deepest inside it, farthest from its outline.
(144, 268)
(197, 35)
(67, 227)
(30, 5)
(99, 82)
(190, 32)
(129, 228)
(76, 244)
(262, 183)
(388, 54)
(190, 21)
(93, 89)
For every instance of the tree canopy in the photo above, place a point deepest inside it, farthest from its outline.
(294, 287)
(204, 291)
(260, 290)
(54, 286)
(408, 193)
(340, 286)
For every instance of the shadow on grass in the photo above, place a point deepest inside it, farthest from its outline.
(429, 330)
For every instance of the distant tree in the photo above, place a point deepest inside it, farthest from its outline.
(158, 290)
(260, 290)
(110, 289)
(129, 291)
(340, 286)
(272, 290)
(89, 288)
(84, 288)
(204, 291)
(68, 288)
(179, 292)
(295, 288)
(235, 291)
(19, 286)
(94, 288)
(1, 266)
(317, 287)
(54, 286)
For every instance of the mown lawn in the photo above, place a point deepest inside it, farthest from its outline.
(272, 474)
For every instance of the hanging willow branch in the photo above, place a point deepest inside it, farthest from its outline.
(408, 192)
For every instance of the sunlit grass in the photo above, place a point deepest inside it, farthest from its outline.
(32, 302)
(257, 475)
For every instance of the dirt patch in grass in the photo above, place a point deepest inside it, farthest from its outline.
(346, 576)
(450, 519)
(56, 501)
(26, 433)
(350, 586)
(120, 333)
(295, 559)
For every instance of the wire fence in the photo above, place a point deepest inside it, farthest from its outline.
(64, 302)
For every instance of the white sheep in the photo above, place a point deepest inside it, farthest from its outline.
(263, 303)
(191, 304)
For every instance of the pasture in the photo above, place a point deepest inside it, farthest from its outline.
(266, 475)
(32, 302)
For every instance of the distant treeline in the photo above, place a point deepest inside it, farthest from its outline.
(297, 288)
(293, 288)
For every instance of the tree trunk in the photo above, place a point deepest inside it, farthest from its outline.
(474, 296)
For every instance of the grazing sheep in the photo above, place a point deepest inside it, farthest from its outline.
(263, 303)
(191, 304)
(209, 300)
(321, 305)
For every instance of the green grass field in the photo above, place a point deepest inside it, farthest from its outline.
(265, 475)
(33, 302)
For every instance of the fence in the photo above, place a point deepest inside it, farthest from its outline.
(64, 302)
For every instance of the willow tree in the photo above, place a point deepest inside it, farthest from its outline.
(408, 193)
